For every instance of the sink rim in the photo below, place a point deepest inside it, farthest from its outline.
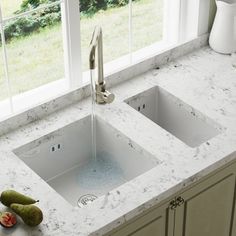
(158, 90)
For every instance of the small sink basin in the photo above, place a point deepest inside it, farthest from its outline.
(173, 115)
(64, 160)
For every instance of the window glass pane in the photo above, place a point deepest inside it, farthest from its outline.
(5, 104)
(35, 52)
(3, 84)
(13, 7)
(10, 7)
(115, 24)
(147, 17)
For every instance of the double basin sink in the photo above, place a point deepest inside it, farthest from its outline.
(64, 158)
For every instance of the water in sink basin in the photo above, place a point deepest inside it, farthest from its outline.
(64, 160)
(91, 180)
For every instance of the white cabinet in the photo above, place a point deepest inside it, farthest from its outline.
(209, 206)
(205, 209)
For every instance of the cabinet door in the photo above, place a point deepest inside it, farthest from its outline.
(154, 223)
(208, 207)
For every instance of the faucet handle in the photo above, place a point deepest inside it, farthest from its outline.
(108, 97)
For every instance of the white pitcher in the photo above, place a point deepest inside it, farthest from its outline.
(223, 34)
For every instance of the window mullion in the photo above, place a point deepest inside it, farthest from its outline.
(72, 42)
(130, 31)
(5, 60)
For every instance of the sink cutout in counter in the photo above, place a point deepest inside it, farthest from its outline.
(173, 115)
(64, 160)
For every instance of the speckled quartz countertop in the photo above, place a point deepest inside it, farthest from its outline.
(203, 79)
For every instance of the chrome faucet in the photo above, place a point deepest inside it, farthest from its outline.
(102, 95)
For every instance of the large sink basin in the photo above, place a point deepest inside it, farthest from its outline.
(63, 159)
(173, 115)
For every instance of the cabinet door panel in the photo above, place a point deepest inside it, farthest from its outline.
(153, 223)
(154, 228)
(207, 211)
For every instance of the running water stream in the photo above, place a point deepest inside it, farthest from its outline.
(101, 173)
(93, 117)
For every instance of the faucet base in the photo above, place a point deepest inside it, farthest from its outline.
(102, 95)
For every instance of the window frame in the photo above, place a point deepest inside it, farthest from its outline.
(175, 32)
(13, 104)
(72, 40)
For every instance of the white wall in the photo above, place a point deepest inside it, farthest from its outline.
(196, 18)
(212, 13)
(207, 11)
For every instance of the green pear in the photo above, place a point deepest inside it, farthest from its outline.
(30, 214)
(10, 196)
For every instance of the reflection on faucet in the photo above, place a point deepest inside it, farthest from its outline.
(102, 95)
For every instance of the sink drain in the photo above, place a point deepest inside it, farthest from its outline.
(86, 199)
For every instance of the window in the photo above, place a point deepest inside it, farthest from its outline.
(31, 48)
(126, 29)
(44, 43)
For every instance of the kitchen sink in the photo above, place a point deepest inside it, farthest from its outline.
(175, 116)
(64, 160)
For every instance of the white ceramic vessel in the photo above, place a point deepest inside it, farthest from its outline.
(223, 34)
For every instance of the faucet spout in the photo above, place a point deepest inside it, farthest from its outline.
(102, 95)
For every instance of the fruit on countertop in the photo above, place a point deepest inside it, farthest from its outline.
(30, 214)
(23, 206)
(7, 219)
(11, 196)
